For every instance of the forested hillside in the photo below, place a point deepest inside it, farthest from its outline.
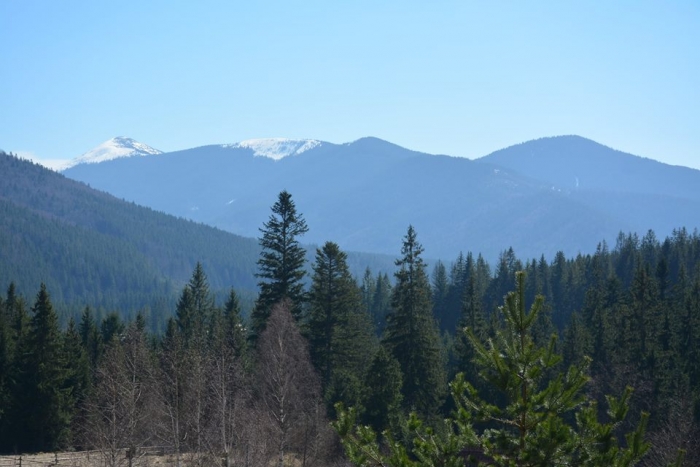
(91, 248)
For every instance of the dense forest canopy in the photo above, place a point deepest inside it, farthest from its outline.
(214, 384)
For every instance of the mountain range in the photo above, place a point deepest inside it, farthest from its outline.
(563, 193)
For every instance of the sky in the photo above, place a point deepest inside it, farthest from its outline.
(446, 77)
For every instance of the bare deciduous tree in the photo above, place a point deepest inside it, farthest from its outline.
(170, 390)
(288, 390)
(227, 393)
(121, 409)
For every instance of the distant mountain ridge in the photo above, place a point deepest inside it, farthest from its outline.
(364, 194)
(643, 193)
(573, 163)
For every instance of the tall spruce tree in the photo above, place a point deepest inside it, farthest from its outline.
(78, 377)
(411, 334)
(381, 399)
(233, 325)
(332, 297)
(339, 329)
(474, 319)
(440, 292)
(368, 287)
(193, 316)
(194, 308)
(44, 401)
(90, 337)
(381, 302)
(281, 262)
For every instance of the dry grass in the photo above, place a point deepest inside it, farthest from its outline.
(81, 459)
(95, 459)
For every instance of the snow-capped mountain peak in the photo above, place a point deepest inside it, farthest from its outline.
(113, 149)
(277, 148)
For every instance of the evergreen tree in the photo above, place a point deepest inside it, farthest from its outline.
(17, 316)
(473, 318)
(381, 400)
(90, 337)
(367, 289)
(644, 314)
(233, 325)
(459, 273)
(440, 292)
(281, 263)
(194, 309)
(411, 334)
(502, 283)
(186, 359)
(558, 273)
(16, 346)
(78, 378)
(690, 335)
(332, 297)
(381, 303)
(339, 330)
(541, 423)
(353, 346)
(111, 328)
(43, 400)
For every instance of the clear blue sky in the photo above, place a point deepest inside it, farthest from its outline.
(451, 77)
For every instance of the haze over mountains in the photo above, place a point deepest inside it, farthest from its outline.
(563, 193)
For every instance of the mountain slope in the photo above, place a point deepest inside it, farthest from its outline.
(58, 222)
(363, 195)
(643, 193)
(574, 163)
(91, 248)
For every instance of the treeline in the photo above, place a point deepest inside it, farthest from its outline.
(634, 310)
(214, 385)
(91, 248)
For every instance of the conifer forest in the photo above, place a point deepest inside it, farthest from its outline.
(592, 360)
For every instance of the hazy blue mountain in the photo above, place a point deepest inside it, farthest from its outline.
(363, 195)
(639, 192)
(574, 163)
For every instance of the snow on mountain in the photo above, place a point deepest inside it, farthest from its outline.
(276, 148)
(113, 149)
